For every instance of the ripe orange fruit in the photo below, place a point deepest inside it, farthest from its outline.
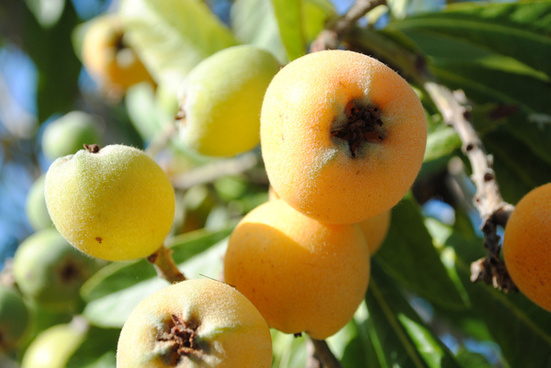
(302, 275)
(375, 230)
(527, 245)
(342, 136)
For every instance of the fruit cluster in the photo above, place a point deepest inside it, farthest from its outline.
(342, 138)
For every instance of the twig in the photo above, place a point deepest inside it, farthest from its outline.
(165, 266)
(493, 210)
(330, 37)
(320, 355)
(217, 169)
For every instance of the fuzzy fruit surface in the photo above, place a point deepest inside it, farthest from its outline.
(222, 100)
(195, 323)
(375, 230)
(342, 136)
(14, 318)
(115, 204)
(107, 57)
(49, 270)
(67, 134)
(527, 246)
(53, 347)
(302, 275)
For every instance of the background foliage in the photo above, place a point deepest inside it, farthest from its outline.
(421, 309)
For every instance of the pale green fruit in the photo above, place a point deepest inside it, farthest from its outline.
(222, 100)
(193, 324)
(53, 347)
(49, 270)
(35, 206)
(69, 133)
(113, 203)
(14, 318)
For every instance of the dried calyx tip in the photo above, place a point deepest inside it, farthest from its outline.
(92, 148)
(363, 125)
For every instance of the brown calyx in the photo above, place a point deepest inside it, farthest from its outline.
(181, 339)
(92, 148)
(70, 271)
(363, 125)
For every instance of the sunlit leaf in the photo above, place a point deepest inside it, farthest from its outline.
(172, 36)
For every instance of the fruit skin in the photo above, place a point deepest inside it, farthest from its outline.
(14, 318)
(222, 100)
(307, 103)
(375, 230)
(108, 58)
(302, 275)
(53, 347)
(67, 134)
(116, 204)
(527, 246)
(35, 206)
(229, 330)
(49, 271)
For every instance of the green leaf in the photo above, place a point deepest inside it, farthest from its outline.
(517, 169)
(441, 143)
(254, 22)
(409, 256)
(288, 15)
(97, 350)
(514, 30)
(113, 292)
(522, 330)
(172, 36)
(405, 339)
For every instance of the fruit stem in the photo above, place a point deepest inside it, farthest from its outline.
(92, 148)
(321, 355)
(164, 265)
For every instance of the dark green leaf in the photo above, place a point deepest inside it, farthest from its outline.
(97, 350)
(514, 30)
(405, 339)
(522, 330)
(409, 256)
(58, 68)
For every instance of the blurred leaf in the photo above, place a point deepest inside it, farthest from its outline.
(409, 256)
(441, 143)
(114, 291)
(405, 339)
(254, 22)
(58, 68)
(288, 15)
(47, 12)
(513, 30)
(97, 350)
(172, 36)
